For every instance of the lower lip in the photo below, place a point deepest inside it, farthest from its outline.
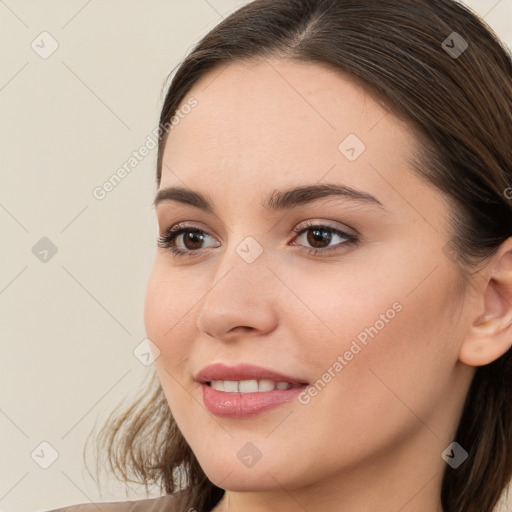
(243, 405)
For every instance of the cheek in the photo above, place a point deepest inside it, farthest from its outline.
(167, 317)
(379, 343)
(405, 372)
(344, 313)
(383, 384)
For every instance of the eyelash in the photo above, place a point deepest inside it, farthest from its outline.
(166, 241)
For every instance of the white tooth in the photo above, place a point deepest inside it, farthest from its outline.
(248, 386)
(266, 385)
(217, 384)
(231, 386)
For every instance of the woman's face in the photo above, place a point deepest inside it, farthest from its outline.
(372, 321)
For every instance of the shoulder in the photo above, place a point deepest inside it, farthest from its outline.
(161, 504)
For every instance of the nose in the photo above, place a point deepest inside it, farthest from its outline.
(242, 300)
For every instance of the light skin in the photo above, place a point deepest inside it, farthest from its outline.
(372, 438)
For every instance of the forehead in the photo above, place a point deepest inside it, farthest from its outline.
(264, 97)
(277, 120)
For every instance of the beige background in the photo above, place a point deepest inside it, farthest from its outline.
(70, 324)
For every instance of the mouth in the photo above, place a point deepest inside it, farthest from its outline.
(242, 401)
(244, 390)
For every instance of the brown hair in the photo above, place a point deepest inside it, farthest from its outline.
(403, 51)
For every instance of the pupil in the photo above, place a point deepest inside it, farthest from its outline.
(319, 235)
(193, 238)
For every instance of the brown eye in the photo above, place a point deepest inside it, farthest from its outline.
(184, 240)
(192, 240)
(319, 237)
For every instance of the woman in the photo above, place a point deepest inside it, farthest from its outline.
(330, 305)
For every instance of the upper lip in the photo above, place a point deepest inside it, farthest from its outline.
(243, 371)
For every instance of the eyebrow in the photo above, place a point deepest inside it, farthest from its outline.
(276, 200)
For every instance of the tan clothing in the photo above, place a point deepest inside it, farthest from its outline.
(162, 504)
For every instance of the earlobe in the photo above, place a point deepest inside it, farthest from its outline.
(490, 335)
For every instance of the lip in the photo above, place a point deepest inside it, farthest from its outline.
(243, 371)
(244, 405)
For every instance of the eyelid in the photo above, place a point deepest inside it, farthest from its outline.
(312, 223)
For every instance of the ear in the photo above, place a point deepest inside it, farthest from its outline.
(490, 334)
